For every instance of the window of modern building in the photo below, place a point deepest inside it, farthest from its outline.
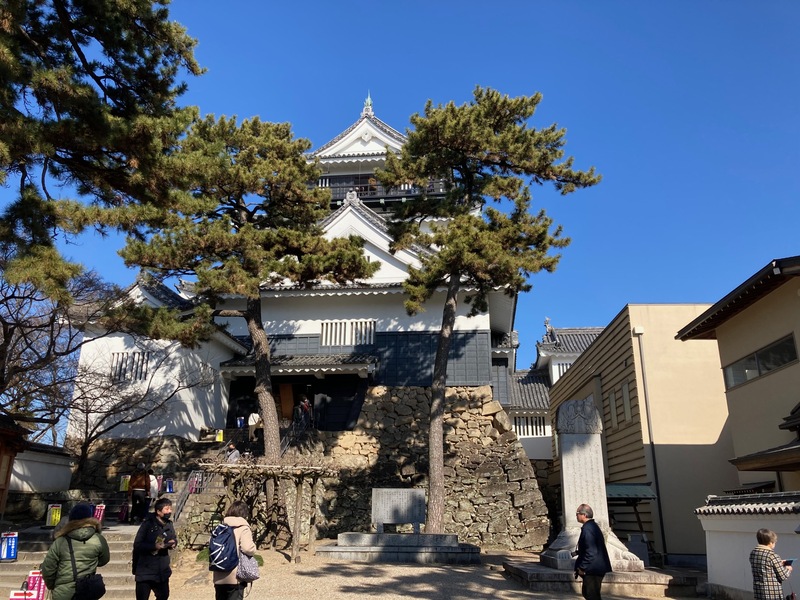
(761, 362)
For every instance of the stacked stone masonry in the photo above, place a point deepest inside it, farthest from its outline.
(492, 496)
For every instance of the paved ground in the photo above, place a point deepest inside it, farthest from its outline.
(316, 578)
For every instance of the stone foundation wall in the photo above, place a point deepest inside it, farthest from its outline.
(492, 496)
(169, 456)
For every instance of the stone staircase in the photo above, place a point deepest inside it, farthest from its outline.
(34, 541)
(33, 545)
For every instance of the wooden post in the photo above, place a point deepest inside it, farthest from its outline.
(312, 522)
(298, 508)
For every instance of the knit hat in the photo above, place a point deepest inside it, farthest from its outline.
(80, 511)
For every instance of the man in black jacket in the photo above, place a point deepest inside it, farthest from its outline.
(593, 562)
(156, 536)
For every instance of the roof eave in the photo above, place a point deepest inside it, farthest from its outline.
(773, 275)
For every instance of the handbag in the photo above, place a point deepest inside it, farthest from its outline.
(88, 587)
(247, 571)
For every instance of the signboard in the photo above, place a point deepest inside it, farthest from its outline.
(53, 515)
(8, 545)
(124, 482)
(35, 584)
(100, 512)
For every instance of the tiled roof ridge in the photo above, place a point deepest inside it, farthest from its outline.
(752, 504)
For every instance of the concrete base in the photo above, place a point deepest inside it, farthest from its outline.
(400, 547)
(641, 584)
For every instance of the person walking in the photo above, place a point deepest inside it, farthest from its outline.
(152, 491)
(233, 454)
(156, 536)
(593, 562)
(253, 423)
(226, 586)
(79, 537)
(769, 571)
(137, 490)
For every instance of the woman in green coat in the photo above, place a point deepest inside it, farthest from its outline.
(89, 546)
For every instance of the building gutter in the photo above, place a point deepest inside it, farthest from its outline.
(638, 332)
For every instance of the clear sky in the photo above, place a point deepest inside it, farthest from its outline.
(689, 110)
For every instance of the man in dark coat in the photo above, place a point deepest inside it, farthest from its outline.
(156, 536)
(593, 562)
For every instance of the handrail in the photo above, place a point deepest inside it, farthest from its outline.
(295, 432)
(199, 481)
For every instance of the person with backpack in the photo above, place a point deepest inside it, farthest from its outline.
(80, 538)
(232, 537)
(155, 538)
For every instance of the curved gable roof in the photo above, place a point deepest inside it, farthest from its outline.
(367, 137)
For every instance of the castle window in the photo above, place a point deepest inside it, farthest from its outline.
(129, 366)
(348, 333)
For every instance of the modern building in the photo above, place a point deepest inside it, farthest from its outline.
(665, 425)
(756, 327)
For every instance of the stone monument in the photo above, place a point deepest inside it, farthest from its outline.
(579, 429)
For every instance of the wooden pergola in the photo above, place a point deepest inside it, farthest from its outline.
(298, 475)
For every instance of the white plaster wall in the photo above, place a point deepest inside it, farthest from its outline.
(303, 314)
(729, 541)
(35, 471)
(538, 448)
(189, 409)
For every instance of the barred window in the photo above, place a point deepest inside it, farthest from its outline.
(530, 426)
(347, 333)
(129, 366)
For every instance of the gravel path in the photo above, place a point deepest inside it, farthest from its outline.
(315, 578)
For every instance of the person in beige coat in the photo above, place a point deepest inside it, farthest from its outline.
(226, 586)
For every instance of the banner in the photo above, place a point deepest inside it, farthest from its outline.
(169, 486)
(53, 515)
(8, 545)
(100, 512)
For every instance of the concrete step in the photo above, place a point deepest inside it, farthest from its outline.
(35, 541)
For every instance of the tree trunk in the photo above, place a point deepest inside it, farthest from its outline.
(434, 522)
(269, 414)
(263, 381)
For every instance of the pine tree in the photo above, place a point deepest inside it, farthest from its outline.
(488, 158)
(87, 108)
(249, 220)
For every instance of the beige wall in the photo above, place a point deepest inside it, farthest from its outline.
(682, 389)
(686, 403)
(758, 407)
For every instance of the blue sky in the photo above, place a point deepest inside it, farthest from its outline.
(689, 110)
